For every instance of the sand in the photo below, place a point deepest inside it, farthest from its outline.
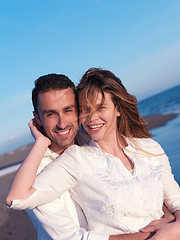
(16, 224)
(155, 121)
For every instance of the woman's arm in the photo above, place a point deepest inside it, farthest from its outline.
(177, 216)
(165, 231)
(22, 184)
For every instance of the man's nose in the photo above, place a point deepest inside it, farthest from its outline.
(61, 123)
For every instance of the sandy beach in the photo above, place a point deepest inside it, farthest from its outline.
(13, 224)
(16, 224)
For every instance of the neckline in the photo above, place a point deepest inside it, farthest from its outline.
(125, 150)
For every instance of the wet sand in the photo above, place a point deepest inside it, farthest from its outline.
(16, 224)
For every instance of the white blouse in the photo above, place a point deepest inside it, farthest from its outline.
(113, 199)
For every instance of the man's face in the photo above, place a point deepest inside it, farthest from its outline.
(58, 116)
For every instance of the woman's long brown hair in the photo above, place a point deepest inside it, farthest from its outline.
(97, 80)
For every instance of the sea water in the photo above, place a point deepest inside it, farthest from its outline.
(169, 138)
(169, 135)
(162, 103)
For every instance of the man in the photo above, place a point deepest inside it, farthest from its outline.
(55, 112)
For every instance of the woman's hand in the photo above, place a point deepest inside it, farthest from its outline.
(167, 218)
(166, 231)
(156, 223)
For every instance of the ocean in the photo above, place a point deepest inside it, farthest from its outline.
(169, 135)
(162, 103)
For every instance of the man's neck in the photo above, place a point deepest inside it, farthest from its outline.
(59, 150)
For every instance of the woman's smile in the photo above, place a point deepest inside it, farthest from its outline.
(100, 124)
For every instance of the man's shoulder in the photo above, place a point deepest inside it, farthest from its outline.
(77, 153)
(48, 157)
(82, 138)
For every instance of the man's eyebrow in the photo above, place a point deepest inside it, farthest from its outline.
(49, 111)
(69, 107)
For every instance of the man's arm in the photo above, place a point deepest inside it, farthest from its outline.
(58, 220)
(63, 227)
(150, 228)
(131, 236)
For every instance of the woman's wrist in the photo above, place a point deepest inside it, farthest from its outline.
(43, 141)
(168, 217)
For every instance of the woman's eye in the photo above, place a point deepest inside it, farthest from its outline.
(101, 108)
(84, 110)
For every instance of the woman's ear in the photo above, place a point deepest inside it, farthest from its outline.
(37, 118)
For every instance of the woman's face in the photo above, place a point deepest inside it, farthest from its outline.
(102, 124)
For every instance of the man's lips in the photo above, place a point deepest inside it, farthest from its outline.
(63, 133)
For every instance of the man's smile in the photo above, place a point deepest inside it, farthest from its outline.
(63, 133)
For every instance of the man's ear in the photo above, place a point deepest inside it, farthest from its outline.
(37, 118)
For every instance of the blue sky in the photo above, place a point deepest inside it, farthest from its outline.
(138, 40)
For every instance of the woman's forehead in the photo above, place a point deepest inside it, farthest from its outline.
(94, 98)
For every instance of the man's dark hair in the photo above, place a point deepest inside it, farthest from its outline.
(50, 82)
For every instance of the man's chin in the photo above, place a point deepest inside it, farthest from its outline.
(65, 143)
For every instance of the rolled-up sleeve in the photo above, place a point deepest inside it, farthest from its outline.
(50, 184)
(95, 236)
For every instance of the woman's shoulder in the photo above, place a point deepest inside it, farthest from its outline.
(148, 144)
(147, 141)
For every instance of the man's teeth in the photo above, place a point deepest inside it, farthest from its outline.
(63, 133)
(96, 126)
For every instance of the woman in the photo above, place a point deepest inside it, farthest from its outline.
(121, 178)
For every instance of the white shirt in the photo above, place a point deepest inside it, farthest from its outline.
(62, 218)
(114, 200)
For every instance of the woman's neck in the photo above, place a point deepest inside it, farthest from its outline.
(113, 146)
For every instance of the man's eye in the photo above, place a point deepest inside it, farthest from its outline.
(49, 114)
(68, 110)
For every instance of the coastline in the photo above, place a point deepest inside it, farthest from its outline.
(18, 155)
(16, 224)
(158, 120)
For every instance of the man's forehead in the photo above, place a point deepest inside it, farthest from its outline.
(56, 96)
